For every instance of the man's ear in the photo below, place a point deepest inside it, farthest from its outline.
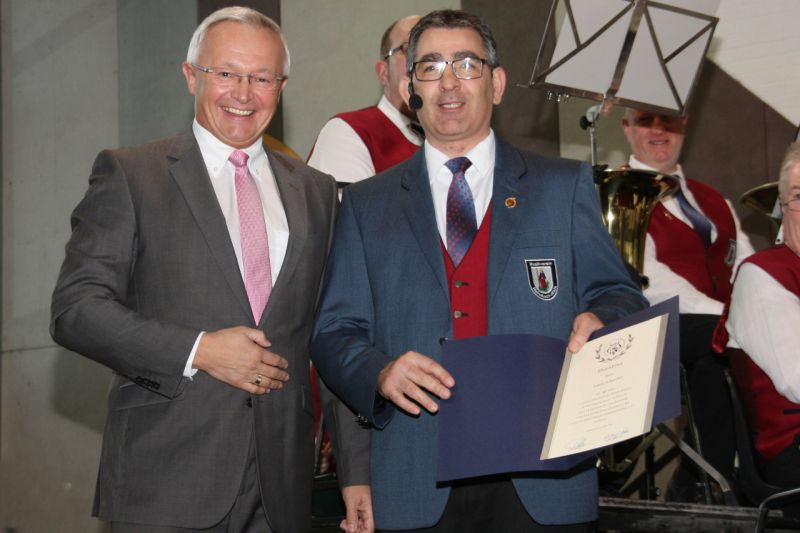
(191, 79)
(498, 84)
(405, 93)
(382, 71)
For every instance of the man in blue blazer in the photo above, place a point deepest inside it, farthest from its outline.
(468, 237)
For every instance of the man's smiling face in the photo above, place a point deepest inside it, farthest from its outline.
(236, 114)
(655, 140)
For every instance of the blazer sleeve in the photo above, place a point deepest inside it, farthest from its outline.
(350, 439)
(604, 286)
(342, 347)
(88, 310)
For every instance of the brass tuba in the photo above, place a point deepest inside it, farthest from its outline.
(627, 198)
(762, 200)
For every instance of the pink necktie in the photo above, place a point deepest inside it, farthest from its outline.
(253, 234)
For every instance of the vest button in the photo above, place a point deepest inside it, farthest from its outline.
(457, 314)
(249, 402)
(459, 284)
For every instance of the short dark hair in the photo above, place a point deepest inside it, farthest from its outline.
(452, 18)
(385, 44)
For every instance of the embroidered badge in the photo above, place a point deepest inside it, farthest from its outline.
(543, 277)
(730, 258)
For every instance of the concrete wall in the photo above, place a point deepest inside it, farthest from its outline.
(78, 76)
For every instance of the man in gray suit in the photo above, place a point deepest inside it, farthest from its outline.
(468, 237)
(193, 273)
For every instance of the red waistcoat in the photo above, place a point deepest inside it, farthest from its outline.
(680, 248)
(773, 419)
(468, 285)
(386, 144)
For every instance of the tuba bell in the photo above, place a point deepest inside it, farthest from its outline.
(762, 200)
(627, 198)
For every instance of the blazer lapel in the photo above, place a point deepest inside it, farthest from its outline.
(417, 204)
(509, 195)
(190, 174)
(295, 205)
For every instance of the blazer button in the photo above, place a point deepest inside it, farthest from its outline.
(249, 402)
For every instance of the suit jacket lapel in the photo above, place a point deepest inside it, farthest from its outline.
(510, 182)
(417, 204)
(295, 206)
(190, 174)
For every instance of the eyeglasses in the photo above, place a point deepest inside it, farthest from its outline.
(403, 48)
(793, 204)
(225, 78)
(465, 68)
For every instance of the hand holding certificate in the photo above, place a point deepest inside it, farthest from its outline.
(606, 392)
(554, 409)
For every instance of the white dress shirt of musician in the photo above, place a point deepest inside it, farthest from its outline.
(656, 142)
(339, 150)
(764, 314)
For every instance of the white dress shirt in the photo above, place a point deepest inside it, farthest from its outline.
(479, 176)
(340, 152)
(221, 171)
(762, 321)
(664, 283)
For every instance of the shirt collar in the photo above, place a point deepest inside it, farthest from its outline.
(216, 153)
(481, 156)
(397, 118)
(636, 164)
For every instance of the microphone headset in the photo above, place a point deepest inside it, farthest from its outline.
(414, 100)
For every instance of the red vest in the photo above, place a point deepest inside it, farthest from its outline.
(680, 248)
(386, 144)
(773, 419)
(468, 285)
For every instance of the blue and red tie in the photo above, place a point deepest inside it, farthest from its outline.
(461, 221)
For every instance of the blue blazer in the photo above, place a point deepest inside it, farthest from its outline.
(386, 292)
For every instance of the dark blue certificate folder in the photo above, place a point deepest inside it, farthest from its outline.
(496, 420)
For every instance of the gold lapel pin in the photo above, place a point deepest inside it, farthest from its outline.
(511, 202)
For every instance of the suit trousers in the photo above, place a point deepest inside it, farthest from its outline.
(246, 516)
(490, 507)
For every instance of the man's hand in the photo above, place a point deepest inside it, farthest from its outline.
(239, 357)
(409, 376)
(358, 502)
(584, 325)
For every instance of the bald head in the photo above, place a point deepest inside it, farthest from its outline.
(391, 70)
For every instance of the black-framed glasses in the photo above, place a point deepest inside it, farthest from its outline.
(403, 48)
(464, 68)
(222, 77)
(793, 204)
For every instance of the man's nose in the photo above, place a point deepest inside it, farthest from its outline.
(243, 89)
(449, 79)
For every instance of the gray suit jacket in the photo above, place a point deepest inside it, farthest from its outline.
(386, 292)
(149, 265)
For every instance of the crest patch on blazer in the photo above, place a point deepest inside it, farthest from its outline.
(543, 277)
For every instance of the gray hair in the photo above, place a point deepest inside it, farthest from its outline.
(791, 159)
(452, 19)
(243, 15)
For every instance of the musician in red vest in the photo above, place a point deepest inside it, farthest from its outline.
(448, 245)
(692, 248)
(355, 145)
(761, 334)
